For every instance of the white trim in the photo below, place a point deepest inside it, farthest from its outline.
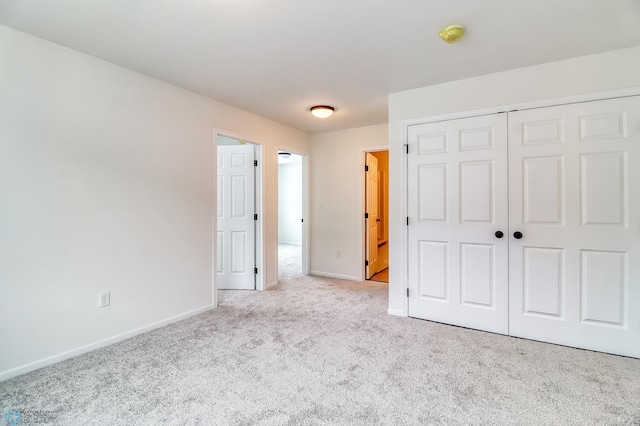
(588, 97)
(376, 148)
(260, 260)
(261, 249)
(396, 312)
(404, 126)
(363, 207)
(363, 201)
(332, 275)
(7, 374)
(214, 212)
(404, 234)
(306, 214)
(363, 197)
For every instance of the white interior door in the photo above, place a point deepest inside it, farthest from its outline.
(373, 263)
(457, 192)
(575, 197)
(235, 260)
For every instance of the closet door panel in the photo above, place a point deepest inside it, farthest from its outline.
(574, 195)
(457, 183)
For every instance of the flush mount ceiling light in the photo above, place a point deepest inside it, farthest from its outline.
(322, 111)
(452, 33)
(284, 154)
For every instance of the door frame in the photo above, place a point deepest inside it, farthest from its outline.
(259, 190)
(363, 203)
(305, 207)
(403, 273)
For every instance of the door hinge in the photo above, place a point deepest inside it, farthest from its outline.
(407, 220)
(366, 168)
(406, 148)
(407, 292)
(255, 216)
(366, 263)
(366, 215)
(255, 271)
(302, 220)
(255, 163)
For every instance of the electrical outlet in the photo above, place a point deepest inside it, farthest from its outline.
(339, 255)
(104, 299)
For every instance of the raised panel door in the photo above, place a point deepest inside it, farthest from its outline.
(574, 189)
(457, 183)
(235, 257)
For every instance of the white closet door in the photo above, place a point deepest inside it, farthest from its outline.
(574, 189)
(457, 191)
(236, 225)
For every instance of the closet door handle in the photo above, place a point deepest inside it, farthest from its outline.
(517, 235)
(499, 234)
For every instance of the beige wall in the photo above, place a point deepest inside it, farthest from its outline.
(107, 183)
(337, 160)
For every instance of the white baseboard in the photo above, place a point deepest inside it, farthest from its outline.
(288, 243)
(395, 312)
(7, 374)
(340, 276)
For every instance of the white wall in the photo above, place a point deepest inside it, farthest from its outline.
(106, 183)
(336, 204)
(595, 73)
(290, 201)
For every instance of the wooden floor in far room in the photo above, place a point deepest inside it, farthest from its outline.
(382, 276)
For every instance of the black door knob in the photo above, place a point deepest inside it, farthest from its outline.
(517, 235)
(499, 234)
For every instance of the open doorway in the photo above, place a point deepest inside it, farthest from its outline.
(290, 213)
(376, 215)
(237, 257)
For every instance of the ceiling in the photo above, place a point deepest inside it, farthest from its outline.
(276, 58)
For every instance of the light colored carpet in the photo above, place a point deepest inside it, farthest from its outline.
(319, 351)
